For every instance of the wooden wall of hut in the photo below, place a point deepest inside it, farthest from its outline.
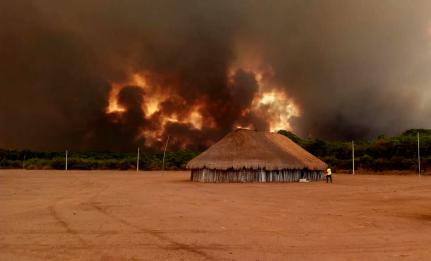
(253, 175)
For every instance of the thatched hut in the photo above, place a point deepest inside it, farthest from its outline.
(255, 156)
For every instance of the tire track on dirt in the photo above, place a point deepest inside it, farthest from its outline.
(54, 213)
(65, 225)
(175, 244)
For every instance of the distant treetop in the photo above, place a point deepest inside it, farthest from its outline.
(414, 132)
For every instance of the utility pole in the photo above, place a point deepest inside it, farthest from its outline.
(353, 157)
(419, 156)
(66, 161)
(137, 161)
(164, 153)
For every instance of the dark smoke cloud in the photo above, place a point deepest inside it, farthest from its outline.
(355, 68)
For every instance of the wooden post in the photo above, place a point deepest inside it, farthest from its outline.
(137, 161)
(164, 153)
(419, 156)
(66, 161)
(353, 157)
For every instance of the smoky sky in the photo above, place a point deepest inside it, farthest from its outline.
(355, 69)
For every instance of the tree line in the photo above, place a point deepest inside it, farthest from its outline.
(382, 153)
(94, 160)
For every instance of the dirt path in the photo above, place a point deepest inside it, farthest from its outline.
(109, 215)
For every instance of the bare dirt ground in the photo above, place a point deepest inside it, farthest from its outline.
(112, 215)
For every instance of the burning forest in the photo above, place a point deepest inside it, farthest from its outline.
(246, 99)
(103, 76)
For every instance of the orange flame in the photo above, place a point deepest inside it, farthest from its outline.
(278, 107)
(272, 102)
(154, 97)
(113, 106)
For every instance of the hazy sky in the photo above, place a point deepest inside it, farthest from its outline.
(105, 74)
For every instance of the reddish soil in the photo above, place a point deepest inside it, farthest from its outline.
(112, 215)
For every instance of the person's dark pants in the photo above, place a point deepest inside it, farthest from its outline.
(328, 177)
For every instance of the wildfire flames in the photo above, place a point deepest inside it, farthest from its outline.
(161, 106)
(271, 100)
(153, 97)
(113, 106)
(277, 107)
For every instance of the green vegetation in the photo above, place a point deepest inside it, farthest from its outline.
(382, 153)
(93, 160)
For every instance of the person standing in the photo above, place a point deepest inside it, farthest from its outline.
(328, 175)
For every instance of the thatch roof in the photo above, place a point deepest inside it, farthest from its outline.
(256, 150)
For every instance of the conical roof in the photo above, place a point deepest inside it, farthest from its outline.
(256, 150)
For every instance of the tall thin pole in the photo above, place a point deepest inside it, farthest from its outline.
(353, 157)
(419, 156)
(137, 161)
(164, 153)
(66, 161)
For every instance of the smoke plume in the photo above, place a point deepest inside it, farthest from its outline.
(114, 75)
